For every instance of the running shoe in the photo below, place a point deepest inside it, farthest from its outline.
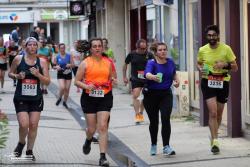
(86, 147)
(19, 149)
(65, 105)
(58, 101)
(153, 149)
(95, 140)
(103, 162)
(141, 117)
(137, 118)
(29, 154)
(167, 150)
(215, 147)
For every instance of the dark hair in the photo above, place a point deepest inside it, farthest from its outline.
(105, 39)
(95, 39)
(61, 44)
(34, 28)
(213, 28)
(82, 46)
(139, 41)
(155, 45)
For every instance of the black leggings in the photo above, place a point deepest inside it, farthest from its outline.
(155, 101)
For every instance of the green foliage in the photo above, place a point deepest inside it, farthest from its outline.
(4, 131)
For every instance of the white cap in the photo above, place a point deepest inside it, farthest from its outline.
(30, 39)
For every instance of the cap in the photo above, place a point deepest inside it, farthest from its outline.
(30, 39)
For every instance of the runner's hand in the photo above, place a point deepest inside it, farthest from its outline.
(21, 75)
(90, 87)
(34, 71)
(219, 65)
(176, 83)
(125, 80)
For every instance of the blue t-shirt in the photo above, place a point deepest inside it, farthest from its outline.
(168, 70)
(62, 62)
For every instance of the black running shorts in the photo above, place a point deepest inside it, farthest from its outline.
(28, 105)
(220, 94)
(95, 104)
(3, 66)
(137, 84)
(64, 76)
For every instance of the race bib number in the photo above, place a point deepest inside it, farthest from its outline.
(29, 87)
(140, 74)
(215, 81)
(96, 93)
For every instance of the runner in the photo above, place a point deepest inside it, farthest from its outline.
(45, 53)
(215, 61)
(12, 52)
(96, 135)
(160, 74)
(28, 100)
(3, 63)
(107, 50)
(64, 64)
(138, 60)
(77, 58)
(94, 76)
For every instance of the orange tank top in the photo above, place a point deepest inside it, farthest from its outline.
(97, 72)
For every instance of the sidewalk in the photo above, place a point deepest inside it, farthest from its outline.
(60, 138)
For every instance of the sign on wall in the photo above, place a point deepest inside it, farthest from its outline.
(23, 0)
(17, 17)
(53, 14)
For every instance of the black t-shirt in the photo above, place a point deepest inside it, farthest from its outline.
(138, 64)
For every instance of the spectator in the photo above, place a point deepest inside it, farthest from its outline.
(35, 33)
(15, 36)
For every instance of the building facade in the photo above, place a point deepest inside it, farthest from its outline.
(53, 16)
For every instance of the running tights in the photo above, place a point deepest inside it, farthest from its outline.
(155, 101)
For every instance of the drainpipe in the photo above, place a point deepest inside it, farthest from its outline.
(139, 19)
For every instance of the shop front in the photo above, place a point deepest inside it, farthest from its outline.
(9, 20)
(60, 26)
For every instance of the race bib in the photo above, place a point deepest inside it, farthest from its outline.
(215, 81)
(96, 93)
(29, 87)
(140, 74)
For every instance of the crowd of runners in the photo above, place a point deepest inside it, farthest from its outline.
(92, 63)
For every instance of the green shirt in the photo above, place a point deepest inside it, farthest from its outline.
(209, 56)
(110, 53)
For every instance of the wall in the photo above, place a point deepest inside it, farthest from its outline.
(115, 24)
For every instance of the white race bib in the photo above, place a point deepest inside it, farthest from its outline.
(140, 74)
(96, 93)
(29, 87)
(215, 81)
